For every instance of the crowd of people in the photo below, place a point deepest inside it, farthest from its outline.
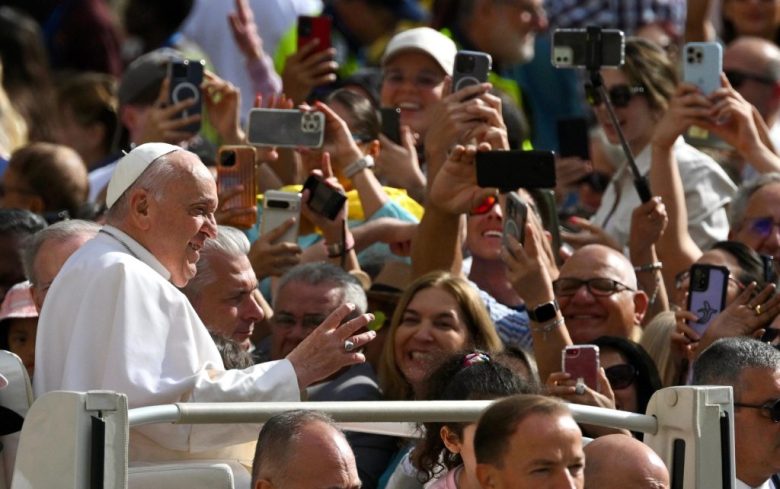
(124, 266)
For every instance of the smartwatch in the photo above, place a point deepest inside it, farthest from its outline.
(544, 312)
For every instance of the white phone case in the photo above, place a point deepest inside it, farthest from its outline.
(278, 207)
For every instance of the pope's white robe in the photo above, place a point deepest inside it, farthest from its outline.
(112, 320)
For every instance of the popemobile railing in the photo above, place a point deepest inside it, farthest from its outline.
(79, 440)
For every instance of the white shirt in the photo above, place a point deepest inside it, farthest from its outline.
(112, 320)
(766, 485)
(707, 191)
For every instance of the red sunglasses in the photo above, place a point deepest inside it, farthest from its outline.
(485, 206)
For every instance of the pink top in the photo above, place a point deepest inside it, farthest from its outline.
(449, 481)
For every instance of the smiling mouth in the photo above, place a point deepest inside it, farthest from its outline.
(492, 234)
(409, 106)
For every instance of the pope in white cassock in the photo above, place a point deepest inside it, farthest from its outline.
(114, 318)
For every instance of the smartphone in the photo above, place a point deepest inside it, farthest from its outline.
(236, 166)
(471, 68)
(278, 207)
(570, 48)
(310, 28)
(391, 123)
(702, 65)
(510, 170)
(515, 216)
(287, 128)
(573, 137)
(707, 294)
(185, 77)
(324, 199)
(582, 362)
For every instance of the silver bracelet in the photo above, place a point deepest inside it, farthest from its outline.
(656, 265)
(545, 328)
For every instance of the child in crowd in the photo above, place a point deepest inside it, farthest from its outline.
(19, 323)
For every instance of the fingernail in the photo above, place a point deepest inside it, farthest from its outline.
(372, 334)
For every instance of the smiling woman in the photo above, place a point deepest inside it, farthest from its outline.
(439, 314)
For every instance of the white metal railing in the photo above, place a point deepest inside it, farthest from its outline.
(366, 411)
(691, 428)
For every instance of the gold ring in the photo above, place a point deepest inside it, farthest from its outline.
(757, 309)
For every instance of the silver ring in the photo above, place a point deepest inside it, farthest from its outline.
(349, 345)
(579, 389)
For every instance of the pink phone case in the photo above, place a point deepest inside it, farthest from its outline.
(582, 361)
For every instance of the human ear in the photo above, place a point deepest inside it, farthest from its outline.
(487, 477)
(451, 439)
(263, 484)
(139, 208)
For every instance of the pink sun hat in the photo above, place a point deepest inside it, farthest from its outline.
(18, 303)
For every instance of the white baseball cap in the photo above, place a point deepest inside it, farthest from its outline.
(132, 165)
(433, 43)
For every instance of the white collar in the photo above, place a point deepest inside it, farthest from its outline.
(135, 249)
(766, 485)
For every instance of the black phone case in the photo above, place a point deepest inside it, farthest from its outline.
(323, 199)
(573, 137)
(186, 77)
(510, 170)
(391, 123)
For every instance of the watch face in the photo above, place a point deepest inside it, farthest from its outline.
(544, 312)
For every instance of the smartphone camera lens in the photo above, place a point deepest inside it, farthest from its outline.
(228, 158)
(278, 204)
(465, 64)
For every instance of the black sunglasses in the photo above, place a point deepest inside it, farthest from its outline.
(737, 78)
(621, 376)
(770, 408)
(619, 95)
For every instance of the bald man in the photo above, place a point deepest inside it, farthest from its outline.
(753, 68)
(621, 462)
(598, 296)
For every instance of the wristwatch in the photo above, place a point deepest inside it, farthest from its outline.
(544, 312)
(352, 169)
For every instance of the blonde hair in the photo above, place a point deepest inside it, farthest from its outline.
(13, 128)
(481, 329)
(655, 340)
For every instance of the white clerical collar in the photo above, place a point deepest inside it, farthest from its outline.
(766, 485)
(135, 248)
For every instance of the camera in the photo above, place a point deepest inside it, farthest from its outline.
(312, 121)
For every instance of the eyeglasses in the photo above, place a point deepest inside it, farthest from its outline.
(761, 226)
(770, 408)
(598, 287)
(681, 278)
(485, 206)
(619, 95)
(421, 80)
(621, 376)
(737, 78)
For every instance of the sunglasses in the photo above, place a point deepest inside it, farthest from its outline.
(485, 206)
(621, 376)
(770, 408)
(761, 226)
(619, 95)
(737, 78)
(598, 287)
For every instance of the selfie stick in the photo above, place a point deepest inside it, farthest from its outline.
(593, 65)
